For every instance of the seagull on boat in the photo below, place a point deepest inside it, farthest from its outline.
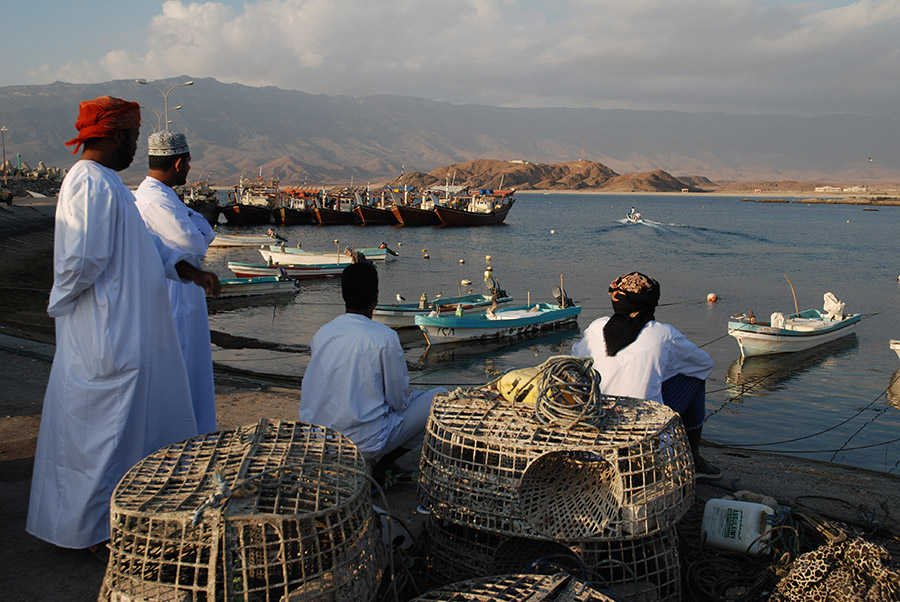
(400, 298)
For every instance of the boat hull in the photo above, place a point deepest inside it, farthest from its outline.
(413, 216)
(247, 215)
(333, 217)
(298, 272)
(763, 339)
(293, 217)
(451, 329)
(451, 217)
(403, 315)
(372, 216)
(260, 285)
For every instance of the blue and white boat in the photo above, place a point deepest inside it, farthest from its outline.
(502, 323)
(785, 334)
(260, 285)
(403, 315)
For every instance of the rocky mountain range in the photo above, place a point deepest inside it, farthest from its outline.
(303, 138)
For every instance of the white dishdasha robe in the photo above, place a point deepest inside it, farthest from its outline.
(357, 382)
(186, 230)
(118, 388)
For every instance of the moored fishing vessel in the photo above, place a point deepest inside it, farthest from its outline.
(514, 321)
(243, 269)
(483, 208)
(259, 285)
(281, 254)
(403, 315)
(411, 210)
(251, 202)
(294, 207)
(794, 332)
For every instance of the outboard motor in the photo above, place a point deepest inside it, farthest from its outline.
(562, 299)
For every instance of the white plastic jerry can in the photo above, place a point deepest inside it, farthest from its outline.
(734, 526)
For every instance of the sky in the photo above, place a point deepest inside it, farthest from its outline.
(726, 56)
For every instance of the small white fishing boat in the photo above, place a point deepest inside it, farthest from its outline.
(503, 323)
(282, 254)
(403, 315)
(259, 285)
(794, 332)
(242, 240)
(243, 269)
(895, 345)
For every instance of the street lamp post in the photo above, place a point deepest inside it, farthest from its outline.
(165, 94)
(3, 131)
(159, 117)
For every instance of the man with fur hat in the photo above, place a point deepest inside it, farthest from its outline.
(637, 356)
(118, 388)
(186, 230)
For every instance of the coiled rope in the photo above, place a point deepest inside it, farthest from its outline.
(569, 393)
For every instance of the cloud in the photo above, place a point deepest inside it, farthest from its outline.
(739, 56)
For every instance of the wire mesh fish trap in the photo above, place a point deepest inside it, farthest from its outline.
(489, 464)
(277, 511)
(514, 588)
(642, 569)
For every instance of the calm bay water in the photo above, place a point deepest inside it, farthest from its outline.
(833, 403)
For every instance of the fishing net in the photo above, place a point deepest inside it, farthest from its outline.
(268, 512)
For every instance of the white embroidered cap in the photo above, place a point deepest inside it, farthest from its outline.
(166, 144)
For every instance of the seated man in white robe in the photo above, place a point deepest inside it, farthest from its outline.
(118, 388)
(184, 229)
(357, 382)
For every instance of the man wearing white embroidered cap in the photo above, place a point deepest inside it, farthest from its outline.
(182, 228)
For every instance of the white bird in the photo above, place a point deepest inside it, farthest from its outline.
(400, 298)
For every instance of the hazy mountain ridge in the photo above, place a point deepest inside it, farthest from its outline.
(239, 130)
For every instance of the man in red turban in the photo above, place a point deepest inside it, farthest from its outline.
(118, 389)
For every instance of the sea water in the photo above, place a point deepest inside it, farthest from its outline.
(838, 402)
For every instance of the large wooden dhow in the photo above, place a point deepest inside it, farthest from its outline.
(251, 202)
(483, 208)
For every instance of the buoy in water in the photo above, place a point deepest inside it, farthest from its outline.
(552, 231)
(712, 298)
(487, 258)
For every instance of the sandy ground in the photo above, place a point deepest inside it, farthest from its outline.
(32, 570)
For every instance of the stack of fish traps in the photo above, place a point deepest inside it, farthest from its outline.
(600, 498)
(515, 588)
(277, 511)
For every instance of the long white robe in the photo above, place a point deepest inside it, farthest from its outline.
(638, 370)
(357, 382)
(118, 388)
(182, 228)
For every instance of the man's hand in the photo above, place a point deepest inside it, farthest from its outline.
(208, 281)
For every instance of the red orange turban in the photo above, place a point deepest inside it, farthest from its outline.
(100, 117)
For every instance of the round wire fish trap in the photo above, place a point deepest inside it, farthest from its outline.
(488, 463)
(514, 588)
(277, 511)
(643, 569)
